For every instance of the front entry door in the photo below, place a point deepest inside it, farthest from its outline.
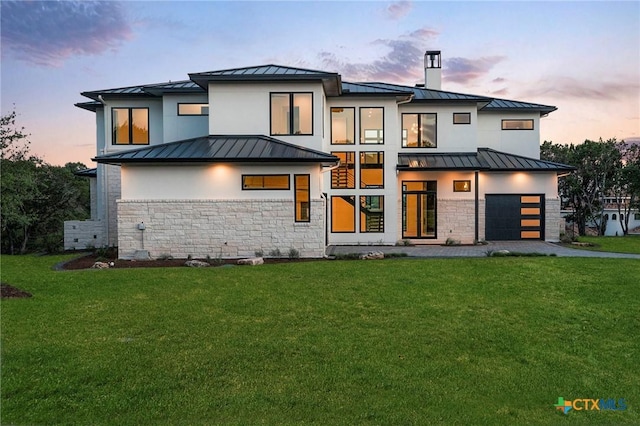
(419, 209)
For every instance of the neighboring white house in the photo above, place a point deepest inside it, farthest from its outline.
(270, 157)
(613, 216)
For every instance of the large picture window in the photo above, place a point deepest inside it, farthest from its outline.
(130, 126)
(265, 182)
(291, 113)
(419, 130)
(372, 169)
(343, 213)
(372, 213)
(371, 125)
(343, 130)
(419, 209)
(344, 176)
(302, 198)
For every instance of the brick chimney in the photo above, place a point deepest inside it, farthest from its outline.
(433, 70)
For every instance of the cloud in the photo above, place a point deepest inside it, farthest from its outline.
(500, 92)
(402, 63)
(398, 10)
(499, 80)
(464, 70)
(569, 87)
(47, 33)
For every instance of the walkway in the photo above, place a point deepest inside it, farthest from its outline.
(480, 250)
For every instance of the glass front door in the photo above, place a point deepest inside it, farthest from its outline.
(419, 209)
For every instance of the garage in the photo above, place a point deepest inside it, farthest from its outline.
(514, 217)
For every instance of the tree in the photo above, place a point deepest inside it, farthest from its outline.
(36, 197)
(626, 188)
(583, 191)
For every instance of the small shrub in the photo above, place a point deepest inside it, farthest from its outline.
(189, 257)
(405, 242)
(388, 255)
(165, 256)
(293, 253)
(347, 256)
(259, 253)
(452, 242)
(275, 253)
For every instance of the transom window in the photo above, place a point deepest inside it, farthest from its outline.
(371, 125)
(372, 169)
(193, 109)
(343, 130)
(265, 182)
(517, 124)
(130, 126)
(419, 130)
(291, 113)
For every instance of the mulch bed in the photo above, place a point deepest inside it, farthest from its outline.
(86, 262)
(8, 291)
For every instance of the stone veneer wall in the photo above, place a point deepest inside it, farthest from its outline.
(456, 220)
(218, 228)
(553, 222)
(83, 234)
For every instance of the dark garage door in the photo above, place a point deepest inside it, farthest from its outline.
(514, 217)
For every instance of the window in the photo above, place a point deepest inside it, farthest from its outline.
(343, 213)
(193, 109)
(130, 126)
(371, 125)
(419, 130)
(461, 186)
(372, 213)
(461, 118)
(302, 197)
(265, 181)
(419, 209)
(517, 124)
(614, 217)
(291, 113)
(344, 176)
(606, 217)
(343, 130)
(372, 170)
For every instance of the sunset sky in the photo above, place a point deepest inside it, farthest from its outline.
(582, 57)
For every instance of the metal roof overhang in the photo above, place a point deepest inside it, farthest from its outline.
(485, 159)
(331, 82)
(249, 149)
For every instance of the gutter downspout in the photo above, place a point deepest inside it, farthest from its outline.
(105, 188)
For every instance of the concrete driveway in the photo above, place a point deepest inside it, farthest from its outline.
(480, 250)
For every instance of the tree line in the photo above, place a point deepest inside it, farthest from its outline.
(604, 170)
(36, 197)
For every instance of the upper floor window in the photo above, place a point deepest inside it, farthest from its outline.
(193, 109)
(371, 125)
(419, 130)
(372, 169)
(344, 176)
(130, 126)
(461, 118)
(291, 113)
(343, 130)
(517, 124)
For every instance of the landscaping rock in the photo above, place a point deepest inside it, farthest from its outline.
(100, 265)
(501, 252)
(196, 264)
(251, 261)
(372, 255)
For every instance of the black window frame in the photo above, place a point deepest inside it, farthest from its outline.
(335, 171)
(355, 223)
(291, 114)
(530, 120)
(130, 118)
(419, 119)
(295, 197)
(381, 204)
(462, 181)
(466, 114)
(192, 115)
(361, 135)
(361, 164)
(353, 141)
(288, 188)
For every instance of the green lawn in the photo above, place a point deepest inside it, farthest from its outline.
(626, 244)
(403, 341)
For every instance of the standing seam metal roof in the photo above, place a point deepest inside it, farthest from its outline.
(220, 148)
(485, 159)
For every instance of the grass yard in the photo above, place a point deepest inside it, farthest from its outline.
(626, 244)
(403, 341)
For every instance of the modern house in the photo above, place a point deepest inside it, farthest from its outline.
(269, 157)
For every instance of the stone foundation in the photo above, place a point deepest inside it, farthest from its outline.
(83, 234)
(553, 222)
(218, 228)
